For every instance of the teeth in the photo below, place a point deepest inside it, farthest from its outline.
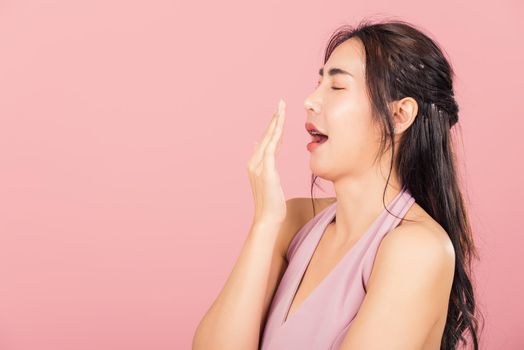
(314, 132)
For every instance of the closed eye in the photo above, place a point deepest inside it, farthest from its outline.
(333, 87)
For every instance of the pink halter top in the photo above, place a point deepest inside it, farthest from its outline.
(321, 321)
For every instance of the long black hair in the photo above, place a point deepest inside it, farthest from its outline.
(403, 61)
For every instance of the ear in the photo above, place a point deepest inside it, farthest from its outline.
(403, 112)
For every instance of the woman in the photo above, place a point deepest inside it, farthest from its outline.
(393, 270)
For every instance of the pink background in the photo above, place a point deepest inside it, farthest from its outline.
(126, 127)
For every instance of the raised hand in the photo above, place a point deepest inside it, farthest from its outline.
(270, 202)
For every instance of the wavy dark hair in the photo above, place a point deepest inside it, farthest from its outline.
(403, 61)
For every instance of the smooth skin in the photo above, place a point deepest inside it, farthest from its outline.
(408, 290)
(403, 274)
(235, 318)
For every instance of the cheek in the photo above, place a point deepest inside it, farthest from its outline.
(351, 123)
(353, 135)
(349, 142)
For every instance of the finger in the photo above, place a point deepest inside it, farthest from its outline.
(281, 137)
(259, 150)
(268, 132)
(269, 153)
(268, 128)
(277, 135)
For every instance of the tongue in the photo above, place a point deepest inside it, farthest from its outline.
(320, 138)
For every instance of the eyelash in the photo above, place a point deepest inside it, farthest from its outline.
(334, 88)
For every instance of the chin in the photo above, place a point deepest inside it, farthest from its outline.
(322, 171)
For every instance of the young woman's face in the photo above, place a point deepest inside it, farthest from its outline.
(340, 108)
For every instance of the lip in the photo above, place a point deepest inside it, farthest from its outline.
(313, 145)
(310, 126)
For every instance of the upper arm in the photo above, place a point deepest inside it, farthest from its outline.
(278, 261)
(408, 288)
(290, 226)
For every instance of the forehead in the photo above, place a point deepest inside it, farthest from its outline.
(350, 56)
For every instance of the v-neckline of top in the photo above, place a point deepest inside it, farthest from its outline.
(323, 224)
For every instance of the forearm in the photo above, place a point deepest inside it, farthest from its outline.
(233, 320)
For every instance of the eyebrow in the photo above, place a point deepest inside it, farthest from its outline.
(334, 71)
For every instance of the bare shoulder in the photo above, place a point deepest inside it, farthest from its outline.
(409, 288)
(299, 212)
(422, 231)
(423, 241)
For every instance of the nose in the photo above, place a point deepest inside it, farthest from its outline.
(310, 105)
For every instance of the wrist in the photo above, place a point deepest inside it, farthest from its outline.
(268, 228)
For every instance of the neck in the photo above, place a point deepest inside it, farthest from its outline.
(359, 203)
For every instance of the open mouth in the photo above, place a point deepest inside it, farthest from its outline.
(319, 138)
